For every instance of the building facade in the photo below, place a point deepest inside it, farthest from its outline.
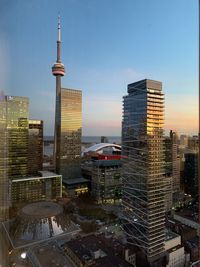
(14, 146)
(4, 180)
(142, 174)
(191, 173)
(46, 186)
(17, 127)
(176, 166)
(35, 146)
(71, 126)
(174, 250)
(106, 183)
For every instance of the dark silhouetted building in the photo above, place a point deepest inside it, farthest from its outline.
(17, 126)
(191, 173)
(35, 146)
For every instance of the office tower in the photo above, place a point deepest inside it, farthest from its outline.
(17, 127)
(4, 182)
(68, 121)
(106, 182)
(13, 145)
(168, 155)
(70, 141)
(142, 172)
(35, 146)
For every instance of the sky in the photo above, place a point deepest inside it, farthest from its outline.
(106, 45)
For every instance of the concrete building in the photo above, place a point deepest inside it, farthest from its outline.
(68, 123)
(99, 251)
(168, 192)
(183, 141)
(175, 166)
(77, 187)
(174, 250)
(45, 186)
(35, 146)
(101, 164)
(142, 174)
(106, 183)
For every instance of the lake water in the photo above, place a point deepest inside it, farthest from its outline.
(48, 149)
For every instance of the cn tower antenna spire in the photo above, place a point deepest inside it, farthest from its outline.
(58, 70)
(59, 28)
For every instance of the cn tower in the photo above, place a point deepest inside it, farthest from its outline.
(58, 70)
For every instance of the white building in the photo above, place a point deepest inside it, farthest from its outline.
(174, 250)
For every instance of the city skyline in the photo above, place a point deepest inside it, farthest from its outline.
(164, 49)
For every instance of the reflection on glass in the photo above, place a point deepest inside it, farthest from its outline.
(142, 148)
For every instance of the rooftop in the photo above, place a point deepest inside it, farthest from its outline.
(43, 175)
(99, 251)
(50, 255)
(75, 181)
(169, 235)
(37, 222)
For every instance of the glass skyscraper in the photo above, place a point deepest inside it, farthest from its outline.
(13, 145)
(71, 125)
(17, 127)
(143, 158)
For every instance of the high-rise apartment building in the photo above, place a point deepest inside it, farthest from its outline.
(68, 121)
(35, 146)
(142, 175)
